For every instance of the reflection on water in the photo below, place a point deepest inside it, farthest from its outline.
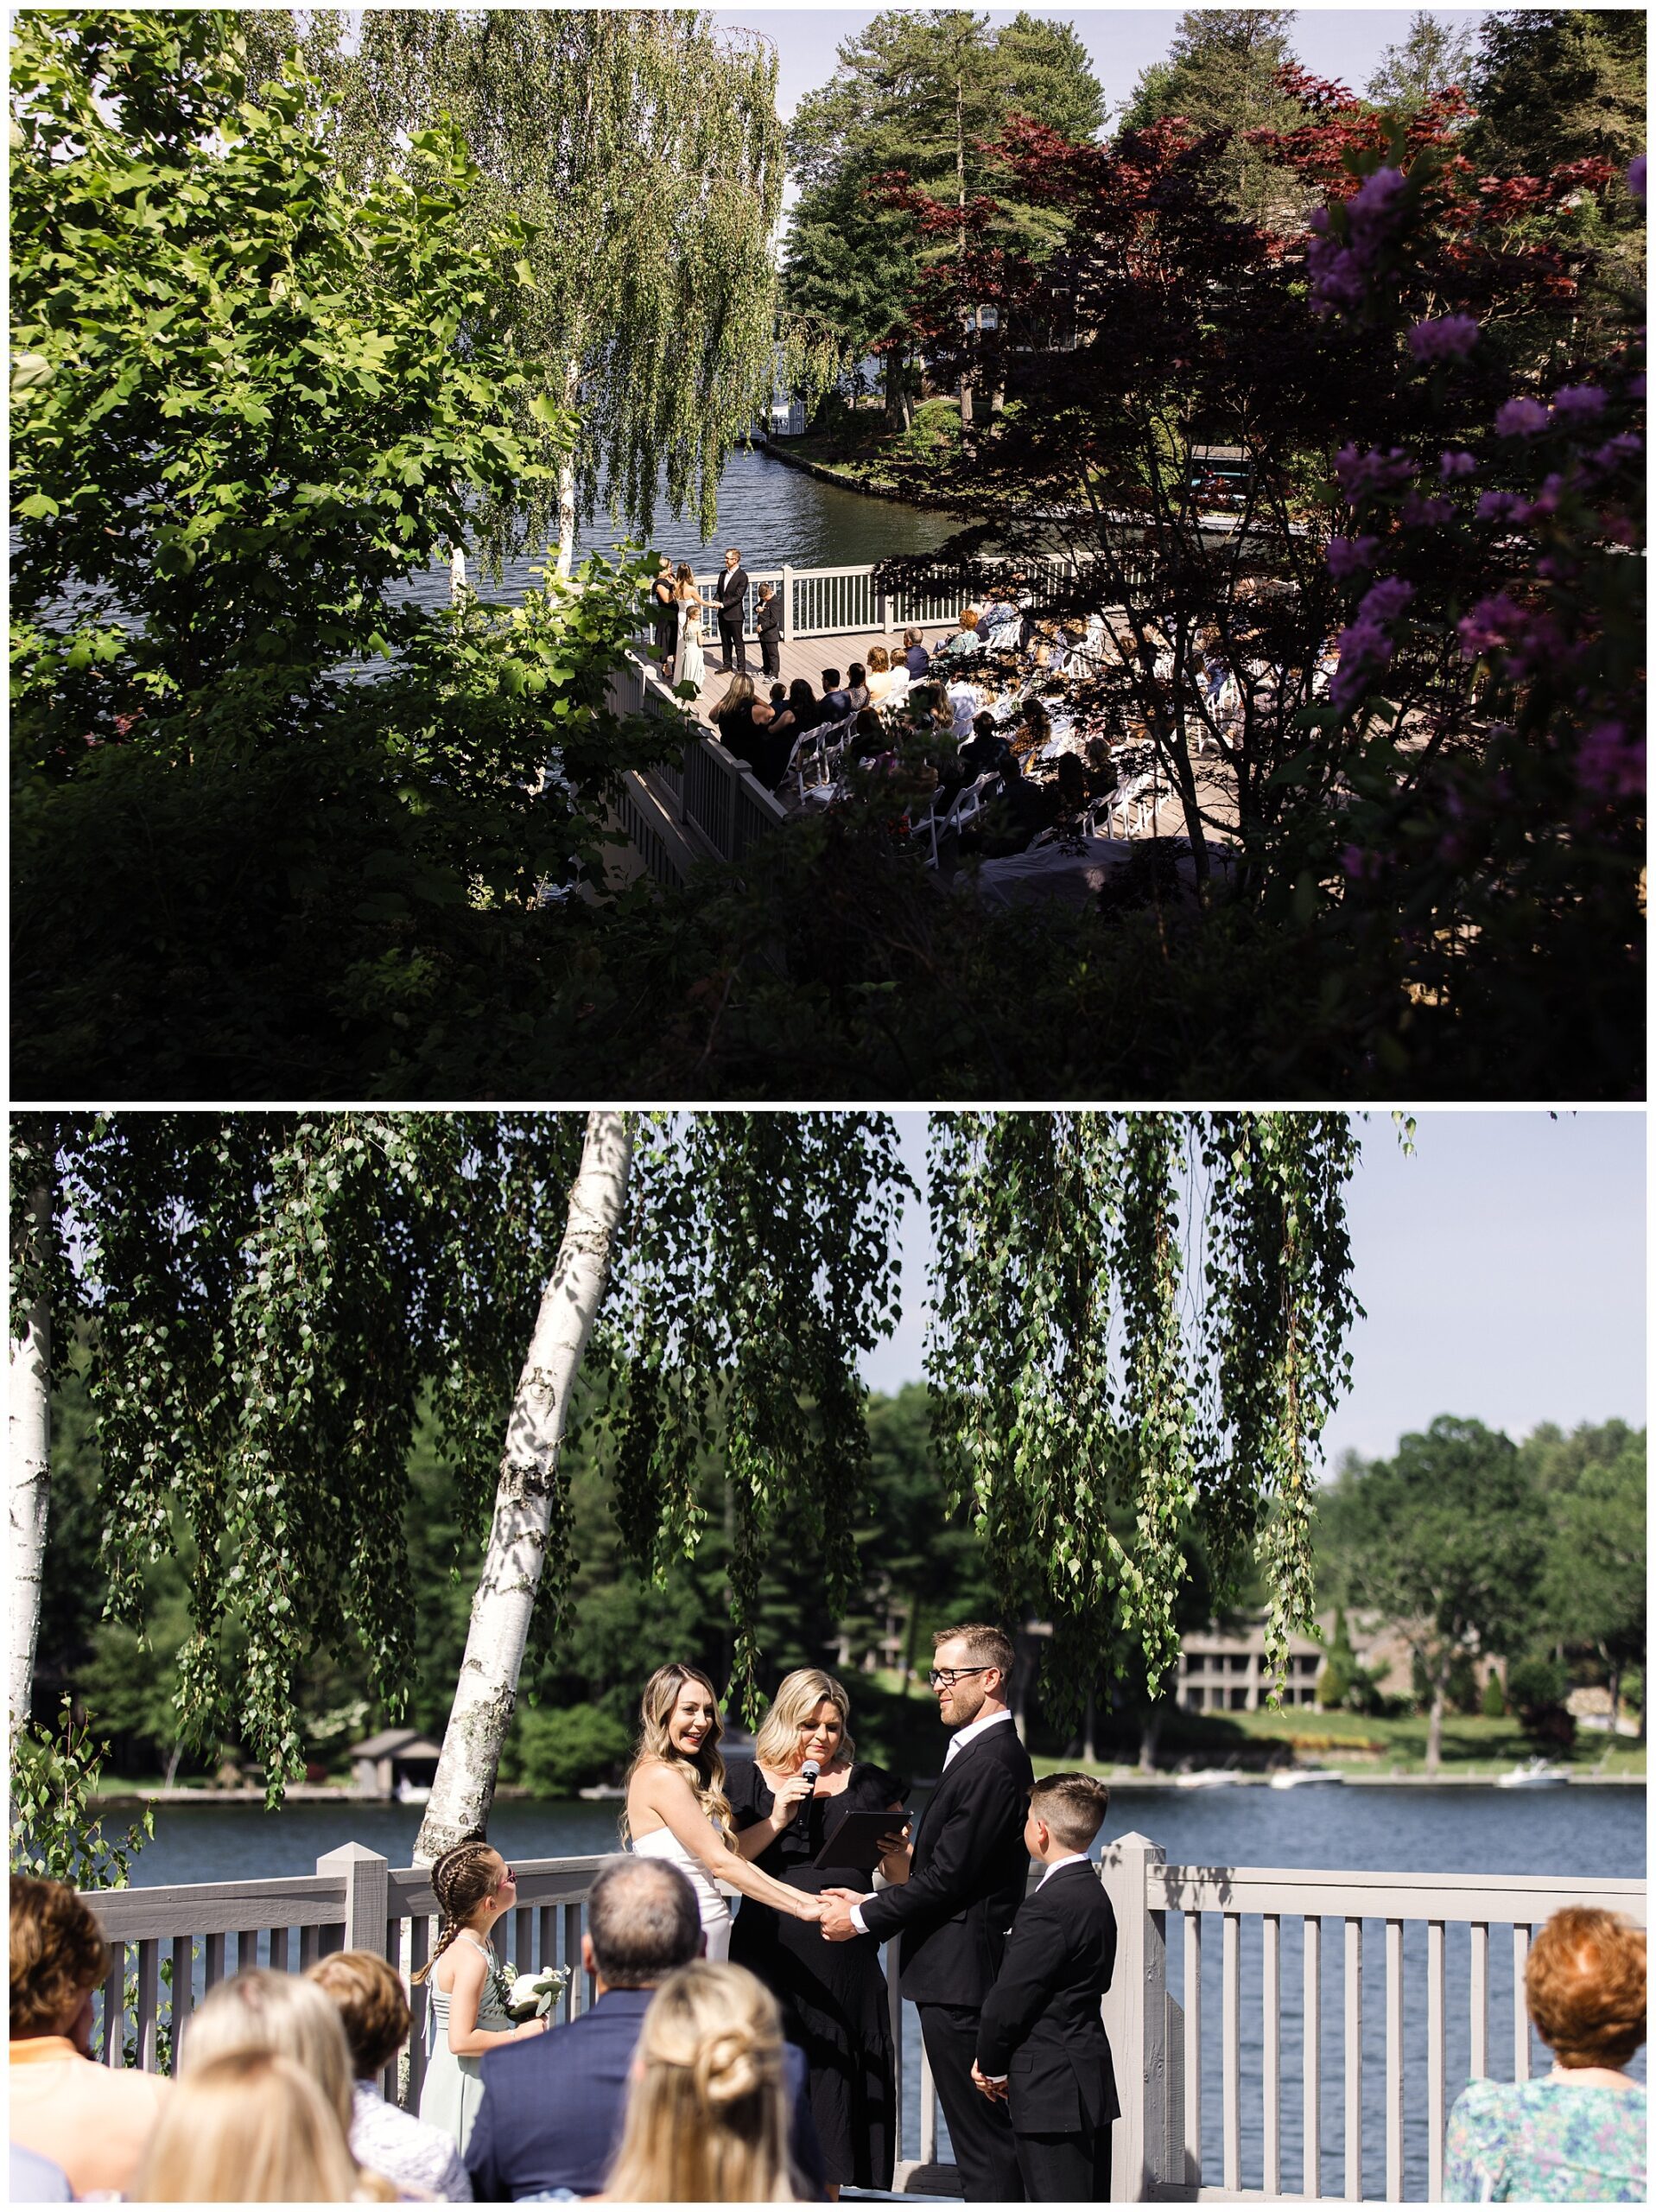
(1593, 1833)
(774, 514)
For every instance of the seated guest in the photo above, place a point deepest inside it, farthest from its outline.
(856, 684)
(736, 720)
(93, 2121)
(34, 2180)
(251, 2128)
(966, 639)
(1577, 2136)
(915, 657)
(807, 706)
(966, 703)
(1041, 2046)
(1072, 787)
(879, 675)
(707, 2119)
(553, 2111)
(836, 701)
(870, 739)
(367, 1992)
(1001, 625)
(259, 2009)
(778, 739)
(900, 677)
(986, 748)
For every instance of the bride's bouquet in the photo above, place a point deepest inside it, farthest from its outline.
(531, 1996)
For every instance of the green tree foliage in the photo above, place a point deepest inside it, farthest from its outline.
(1445, 1541)
(921, 91)
(1221, 74)
(53, 1832)
(1095, 1421)
(642, 151)
(1594, 1585)
(1555, 85)
(1433, 57)
(271, 1301)
(238, 868)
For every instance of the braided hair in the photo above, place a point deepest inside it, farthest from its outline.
(460, 1879)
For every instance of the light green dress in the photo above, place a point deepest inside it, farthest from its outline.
(454, 2086)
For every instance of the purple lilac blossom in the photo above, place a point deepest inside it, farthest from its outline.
(1372, 471)
(1496, 506)
(1449, 338)
(1385, 600)
(1636, 177)
(1420, 513)
(1341, 273)
(1611, 762)
(1521, 419)
(1349, 556)
(1577, 400)
(1457, 464)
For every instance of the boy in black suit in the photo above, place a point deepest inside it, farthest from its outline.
(1041, 2043)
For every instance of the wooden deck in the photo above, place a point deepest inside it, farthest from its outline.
(806, 657)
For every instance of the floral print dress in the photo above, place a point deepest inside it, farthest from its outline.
(1545, 2143)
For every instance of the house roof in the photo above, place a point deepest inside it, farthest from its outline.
(397, 1742)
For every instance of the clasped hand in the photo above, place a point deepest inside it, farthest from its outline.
(838, 1927)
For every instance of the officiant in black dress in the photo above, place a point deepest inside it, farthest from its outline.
(833, 1996)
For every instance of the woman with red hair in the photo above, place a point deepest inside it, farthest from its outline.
(1577, 2136)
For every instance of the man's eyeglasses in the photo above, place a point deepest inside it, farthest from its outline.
(946, 1677)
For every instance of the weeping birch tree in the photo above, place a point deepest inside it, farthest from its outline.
(1138, 1330)
(644, 149)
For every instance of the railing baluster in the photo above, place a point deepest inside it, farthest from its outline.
(1311, 2123)
(1271, 2006)
(114, 2044)
(578, 1994)
(183, 1990)
(1394, 2061)
(213, 1963)
(278, 1950)
(1437, 2006)
(1478, 2065)
(546, 1939)
(1520, 2010)
(928, 2109)
(148, 2002)
(1230, 2050)
(310, 1941)
(419, 2005)
(1193, 2049)
(1354, 2059)
(523, 1938)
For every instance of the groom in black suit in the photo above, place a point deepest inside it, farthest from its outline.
(731, 592)
(969, 1874)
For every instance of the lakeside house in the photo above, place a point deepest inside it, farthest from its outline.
(394, 1762)
(1225, 1670)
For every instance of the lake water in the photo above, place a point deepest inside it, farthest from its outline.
(775, 513)
(1592, 1832)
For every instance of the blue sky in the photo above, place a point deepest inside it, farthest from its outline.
(1331, 42)
(1502, 1266)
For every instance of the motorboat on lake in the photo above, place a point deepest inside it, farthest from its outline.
(1535, 1774)
(1291, 1777)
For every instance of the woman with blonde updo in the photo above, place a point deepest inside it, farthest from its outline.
(833, 1998)
(250, 2127)
(707, 2119)
(676, 1807)
(474, 1886)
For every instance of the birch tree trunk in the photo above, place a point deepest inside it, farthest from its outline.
(567, 477)
(463, 1792)
(1435, 1726)
(29, 1441)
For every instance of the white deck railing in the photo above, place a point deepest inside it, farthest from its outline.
(1170, 2054)
(845, 603)
(705, 788)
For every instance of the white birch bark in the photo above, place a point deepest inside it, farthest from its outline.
(29, 1422)
(567, 478)
(463, 1792)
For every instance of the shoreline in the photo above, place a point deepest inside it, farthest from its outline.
(312, 1793)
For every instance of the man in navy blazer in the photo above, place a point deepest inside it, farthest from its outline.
(552, 2124)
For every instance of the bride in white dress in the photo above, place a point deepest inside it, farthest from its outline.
(688, 666)
(676, 1807)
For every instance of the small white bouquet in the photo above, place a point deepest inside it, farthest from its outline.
(531, 1996)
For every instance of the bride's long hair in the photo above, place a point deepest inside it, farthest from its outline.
(706, 1772)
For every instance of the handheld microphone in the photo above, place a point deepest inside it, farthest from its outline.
(810, 1770)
